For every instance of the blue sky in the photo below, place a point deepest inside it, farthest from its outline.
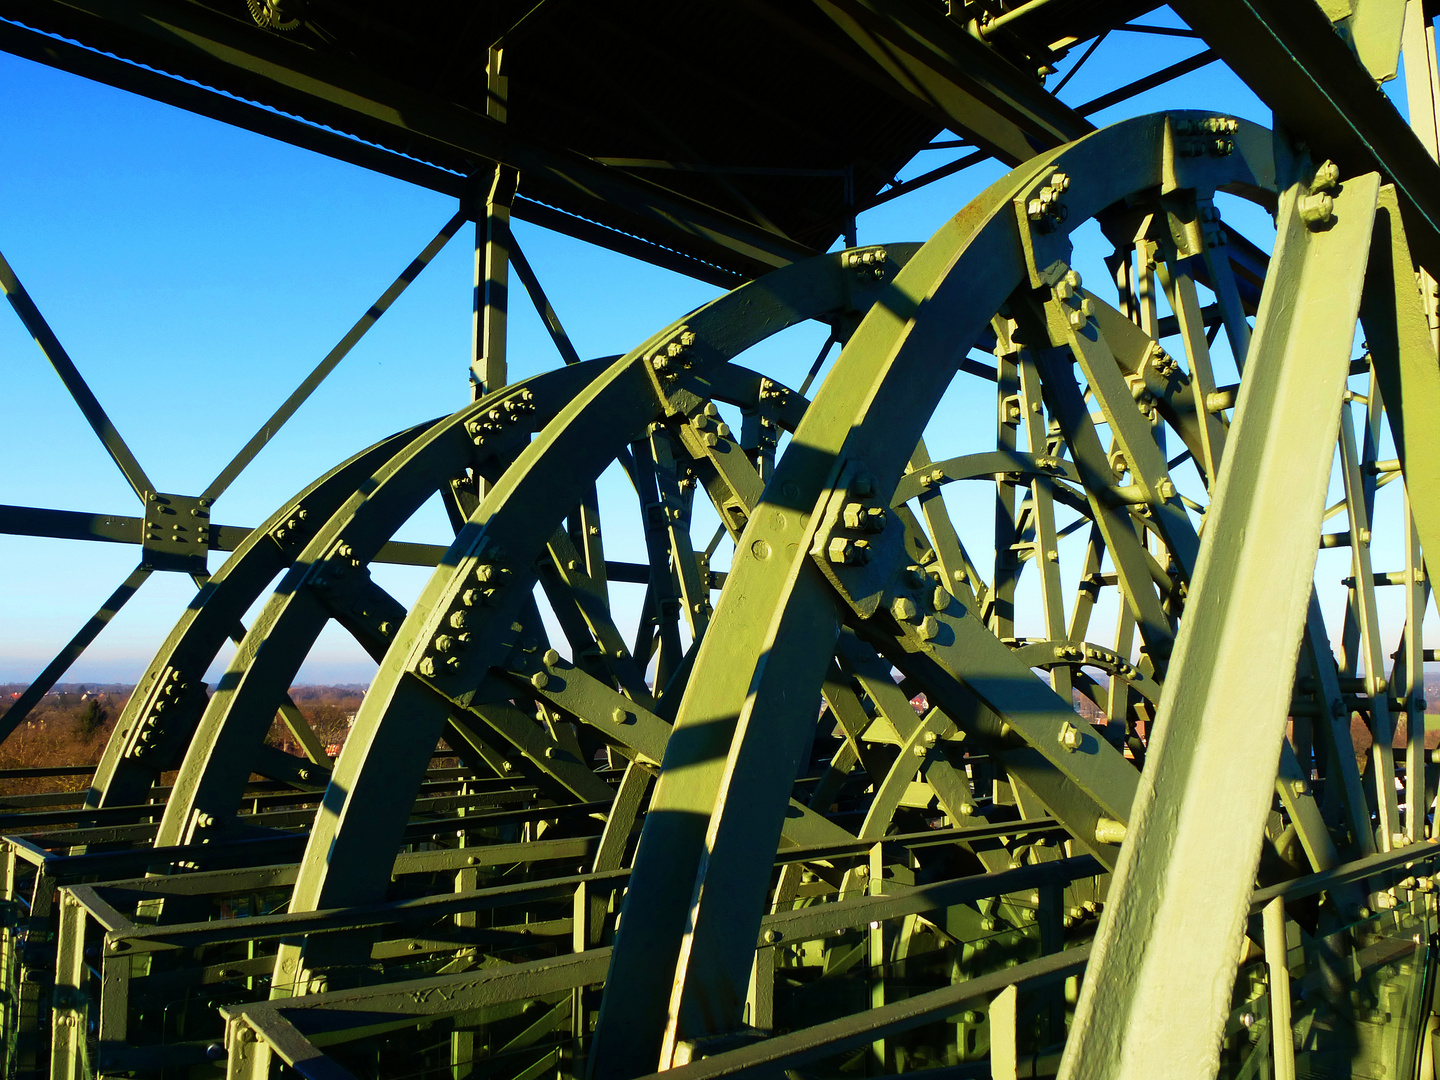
(196, 272)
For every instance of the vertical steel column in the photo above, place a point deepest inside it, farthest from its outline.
(1278, 966)
(67, 1046)
(492, 254)
(1422, 92)
(1182, 885)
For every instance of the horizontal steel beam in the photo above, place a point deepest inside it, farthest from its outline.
(1290, 55)
(120, 529)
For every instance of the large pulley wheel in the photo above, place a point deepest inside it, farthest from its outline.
(1097, 422)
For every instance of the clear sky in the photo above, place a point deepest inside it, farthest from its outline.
(196, 272)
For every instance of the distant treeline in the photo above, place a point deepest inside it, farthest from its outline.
(71, 725)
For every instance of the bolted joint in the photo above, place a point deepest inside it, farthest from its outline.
(1045, 208)
(845, 552)
(1070, 737)
(870, 519)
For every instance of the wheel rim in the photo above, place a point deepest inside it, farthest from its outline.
(684, 972)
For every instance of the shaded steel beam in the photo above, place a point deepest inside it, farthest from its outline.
(1406, 367)
(543, 307)
(1289, 54)
(71, 652)
(121, 529)
(75, 383)
(1149, 82)
(1182, 888)
(332, 358)
(190, 43)
(959, 80)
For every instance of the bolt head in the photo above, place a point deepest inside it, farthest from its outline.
(1317, 210)
(903, 609)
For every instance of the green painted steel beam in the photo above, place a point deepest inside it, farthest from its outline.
(1399, 338)
(1182, 889)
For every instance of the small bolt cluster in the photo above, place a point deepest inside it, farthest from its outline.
(930, 477)
(921, 595)
(857, 516)
(1144, 396)
(168, 529)
(337, 566)
(453, 635)
(1211, 230)
(674, 357)
(1317, 209)
(152, 726)
(1212, 136)
(291, 525)
(708, 423)
(1045, 209)
(1067, 292)
(504, 415)
(867, 264)
(774, 392)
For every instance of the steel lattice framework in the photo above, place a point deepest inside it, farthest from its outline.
(1107, 798)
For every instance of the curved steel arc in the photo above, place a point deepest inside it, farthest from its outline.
(358, 829)
(682, 959)
(170, 697)
(225, 749)
(328, 578)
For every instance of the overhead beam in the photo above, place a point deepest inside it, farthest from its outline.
(959, 80)
(426, 139)
(1290, 55)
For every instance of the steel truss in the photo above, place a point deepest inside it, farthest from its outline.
(1104, 798)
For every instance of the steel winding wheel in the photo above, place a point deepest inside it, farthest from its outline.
(831, 563)
(797, 776)
(223, 738)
